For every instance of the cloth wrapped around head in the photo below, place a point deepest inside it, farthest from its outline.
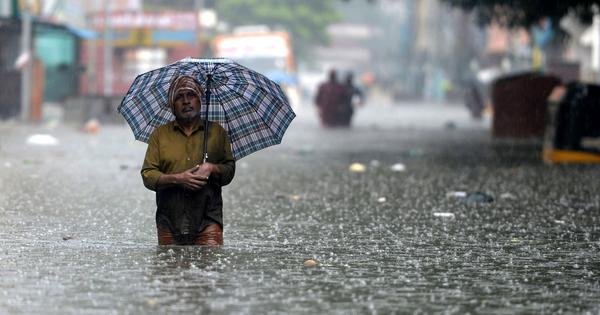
(181, 83)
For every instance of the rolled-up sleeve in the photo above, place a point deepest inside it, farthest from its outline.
(150, 169)
(227, 165)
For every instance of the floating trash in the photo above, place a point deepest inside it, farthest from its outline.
(310, 263)
(92, 126)
(443, 214)
(357, 168)
(306, 149)
(471, 197)
(288, 197)
(381, 199)
(416, 152)
(31, 162)
(42, 139)
(508, 196)
(66, 238)
(478, 197)
(398, 167)
(457, 194)
(559, 221)
(450, 125)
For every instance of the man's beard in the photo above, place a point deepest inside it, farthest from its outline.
(187, 120)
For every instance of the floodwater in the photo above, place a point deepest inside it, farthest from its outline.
(78, 236)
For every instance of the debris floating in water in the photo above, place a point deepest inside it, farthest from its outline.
(457, 194)
(416, 152)
(357, 168)
(92, 126)
(310, 263)
(288, 197)
(42, 139)
(306, 149)
(471, 197)
(508, 196)
(450, 125)
(381, 199)
(398, 167)
(478, 197)
(66, 238)
(443, 214)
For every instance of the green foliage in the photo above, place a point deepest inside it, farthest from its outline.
(305, 20)
(515, 13)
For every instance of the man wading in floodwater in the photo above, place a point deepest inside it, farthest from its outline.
(188, 192)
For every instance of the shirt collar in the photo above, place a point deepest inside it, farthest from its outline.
(198, 125)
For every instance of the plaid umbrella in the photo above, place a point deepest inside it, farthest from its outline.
(251, 108)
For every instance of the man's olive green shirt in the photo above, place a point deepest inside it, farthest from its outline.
(170, 151)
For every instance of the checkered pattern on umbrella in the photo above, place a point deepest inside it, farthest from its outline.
(251, 108)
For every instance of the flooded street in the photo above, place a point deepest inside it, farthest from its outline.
(401, 233)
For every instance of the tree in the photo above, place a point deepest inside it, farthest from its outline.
(306, 20)
(526, 13)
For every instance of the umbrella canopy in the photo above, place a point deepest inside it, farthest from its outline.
(251, 108)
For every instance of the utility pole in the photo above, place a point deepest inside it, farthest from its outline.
(107, 52)
(5, 8)
(91, 9)
(596, 46)
(198, 7)
(26, 71)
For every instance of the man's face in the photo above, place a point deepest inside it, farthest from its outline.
(187, 105)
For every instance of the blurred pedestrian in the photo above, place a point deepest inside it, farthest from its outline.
(473, 97)
(331, 101)
(188, 192)
(474, 101)
(354, 98)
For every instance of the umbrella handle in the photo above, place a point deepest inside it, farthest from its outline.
(206, 122)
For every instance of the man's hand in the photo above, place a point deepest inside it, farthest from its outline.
(204, 170)
(192, 179)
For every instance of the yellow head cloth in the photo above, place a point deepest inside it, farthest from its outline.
(180, 83)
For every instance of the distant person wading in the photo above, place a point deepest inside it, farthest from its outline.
(332, 103)
(354, 97)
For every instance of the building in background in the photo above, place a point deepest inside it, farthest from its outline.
(263, 50)
(137, 40)
(55, 58)
(91, 49)
(408, 50)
